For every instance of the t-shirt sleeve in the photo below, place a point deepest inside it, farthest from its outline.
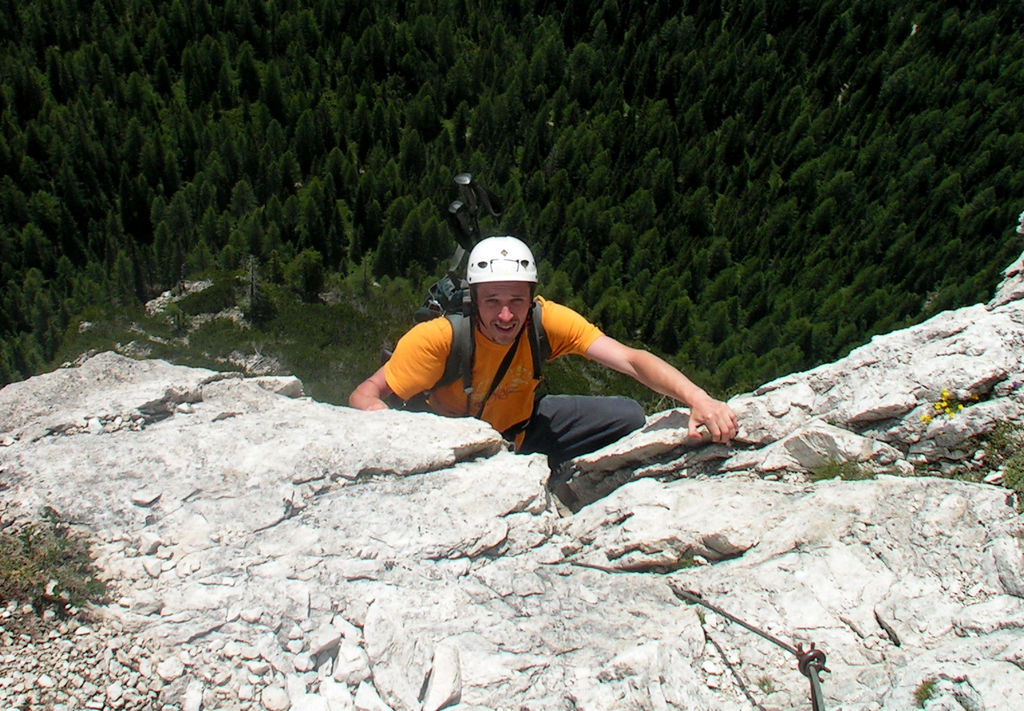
(568, 332)
(419, 358)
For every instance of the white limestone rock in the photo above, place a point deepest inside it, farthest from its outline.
(813, 446)
(351, 665)
(275, 698)
(1012, 287)
(267, 550)
(444, 679)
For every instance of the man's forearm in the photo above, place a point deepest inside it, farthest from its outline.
(705, 411)
(364, 401)
(370, 393)
(661, 377)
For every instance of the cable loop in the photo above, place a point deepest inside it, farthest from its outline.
(810, 661)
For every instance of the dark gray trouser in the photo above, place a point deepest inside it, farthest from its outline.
(566, 426)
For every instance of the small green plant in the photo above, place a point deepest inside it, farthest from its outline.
(1013, 472)
(1004, 448)
(924, 691)
(221, 294)
(47, 565)
(1013, 475)
(766, 685)
(846, 470)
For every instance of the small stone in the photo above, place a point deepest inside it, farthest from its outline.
(352, 665)
(146, 497)
(146, 603)
(247, 651)
(368, 698)
(170, 669)
(258, 667)
(348, 630)
(193, 700)
(296, 685)
(275, 698)
(712, 667)
(326, 639)
(310, 702)
(149, 543)
(153, 566)
(337, 695)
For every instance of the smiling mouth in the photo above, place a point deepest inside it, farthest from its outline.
(505, 329)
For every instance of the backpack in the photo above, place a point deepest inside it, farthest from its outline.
(449, 297)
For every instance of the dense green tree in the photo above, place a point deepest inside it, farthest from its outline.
(305, 274)
(768, 162)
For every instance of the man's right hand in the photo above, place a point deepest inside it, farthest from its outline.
(371, 393)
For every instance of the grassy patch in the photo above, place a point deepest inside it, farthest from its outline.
(330, 346)
(1005, 448)
(846, 470)
(1001, 448)
(924, 691)
(222, 294)
(47, 565)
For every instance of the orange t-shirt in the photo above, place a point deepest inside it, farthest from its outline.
(419, 359)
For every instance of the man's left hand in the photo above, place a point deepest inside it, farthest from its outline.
(716, 417)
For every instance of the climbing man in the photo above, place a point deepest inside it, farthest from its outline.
(502, 387)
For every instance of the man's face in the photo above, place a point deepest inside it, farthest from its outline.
(502, 307)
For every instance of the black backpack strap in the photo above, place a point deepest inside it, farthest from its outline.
(500, 373)
(460, 357)
(459, 364)
(540, 349)
(539, 346)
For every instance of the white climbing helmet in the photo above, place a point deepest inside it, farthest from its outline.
(501, 259)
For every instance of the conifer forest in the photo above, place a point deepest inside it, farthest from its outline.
(747, 188)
